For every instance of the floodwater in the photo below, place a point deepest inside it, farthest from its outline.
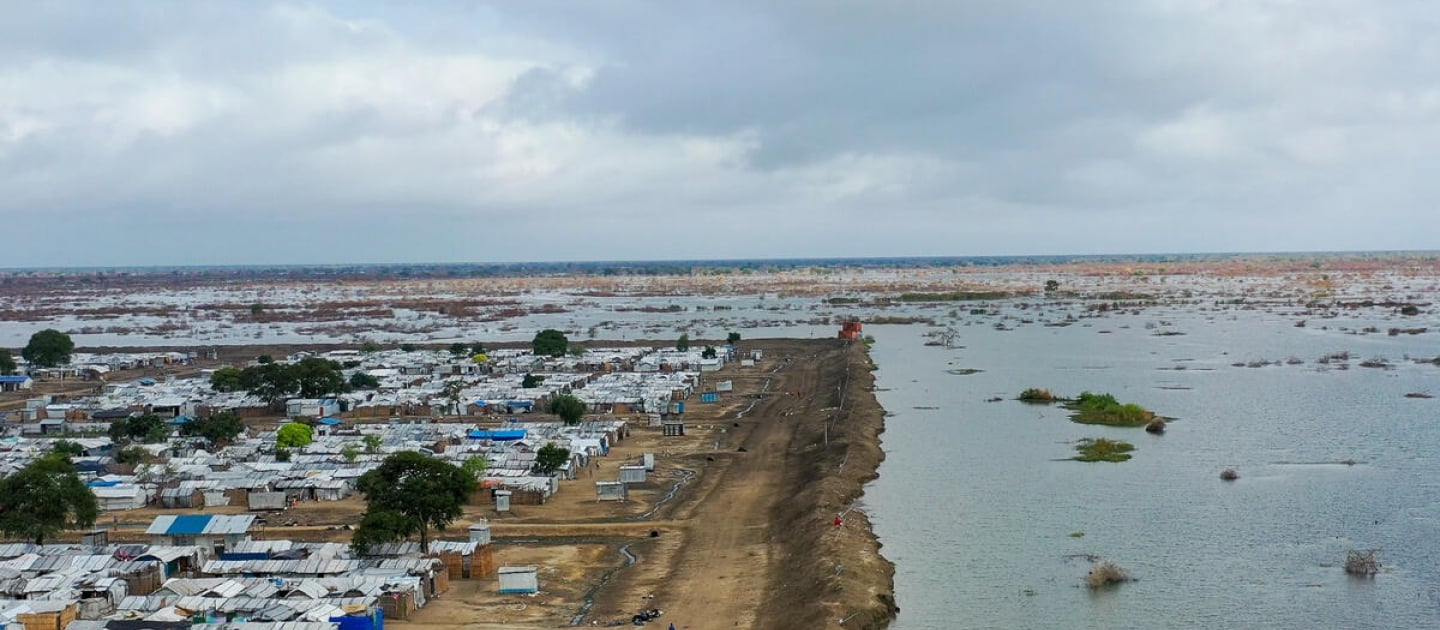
(982, 516)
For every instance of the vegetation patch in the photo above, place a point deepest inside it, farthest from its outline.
(1103, 450)
(1037, 395)
(1104, 409)
(954, 296)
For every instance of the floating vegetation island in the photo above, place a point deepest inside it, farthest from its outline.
(1091, 408)
(1104, 409)
(1103, 450)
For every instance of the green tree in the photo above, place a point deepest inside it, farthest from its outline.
(372, 443)
(475, 466)
(218, 430)
(708, 352)
(67, 448)
(378, 528)
(451, 392)
(549, 343)
(294, 435)
(409, 494)
(531, 381)
(272, 382)
(683, 343)
(48, 348)
(7, 363)
(226, 379)
(732, 338)
(568, 407)
(550, 458)
(318, 377)
(45, 498)
(132, 455)
(147, 429)
(361, 380)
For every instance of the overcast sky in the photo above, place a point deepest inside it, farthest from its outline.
(254, 132)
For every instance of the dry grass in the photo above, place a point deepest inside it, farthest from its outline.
(1104, 574)
(1037, 395)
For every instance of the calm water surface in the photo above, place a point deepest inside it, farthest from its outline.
(976, 506)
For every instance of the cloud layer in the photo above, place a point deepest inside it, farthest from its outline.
(212, 133)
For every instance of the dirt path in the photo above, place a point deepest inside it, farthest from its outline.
(719, 577)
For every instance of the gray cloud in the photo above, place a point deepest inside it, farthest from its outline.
(279, 132)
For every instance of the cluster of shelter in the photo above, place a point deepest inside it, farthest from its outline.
(253, 473)
(408, 384)
(200, 570)
(203, 570)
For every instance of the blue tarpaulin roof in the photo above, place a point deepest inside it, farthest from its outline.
(188, 525)
(195, 524)
(499, 436)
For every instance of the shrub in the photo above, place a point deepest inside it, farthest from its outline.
(1103, 450)
(1361, 563)
(1035, 394)
(1104, 574)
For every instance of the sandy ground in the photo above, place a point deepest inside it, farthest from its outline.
(746, 540)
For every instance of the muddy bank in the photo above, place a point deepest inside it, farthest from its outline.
(827, 573)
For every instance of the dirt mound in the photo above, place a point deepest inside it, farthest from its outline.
(832, 571)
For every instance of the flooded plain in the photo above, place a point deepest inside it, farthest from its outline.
(1310, 382)
(990, 526)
